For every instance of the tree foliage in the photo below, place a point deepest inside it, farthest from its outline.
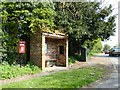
(94, 46)
(97, 47)
(21, 19)
(84, 21)
(106, 47)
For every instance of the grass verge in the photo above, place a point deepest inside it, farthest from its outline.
(67, 79)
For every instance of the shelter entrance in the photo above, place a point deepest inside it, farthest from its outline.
(54, 52)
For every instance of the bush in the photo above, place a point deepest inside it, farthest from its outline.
(92, 54)
(74, 59)
(14, 71)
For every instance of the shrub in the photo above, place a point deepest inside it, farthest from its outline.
(92, 54)
(74, 59)
(14, 71)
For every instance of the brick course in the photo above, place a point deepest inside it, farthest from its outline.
(36, 48)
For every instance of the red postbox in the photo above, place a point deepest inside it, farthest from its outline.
(22, 47)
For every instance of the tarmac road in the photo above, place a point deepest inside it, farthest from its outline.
(114, 80)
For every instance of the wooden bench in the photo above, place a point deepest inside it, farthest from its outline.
(50, 62)
(50, 59)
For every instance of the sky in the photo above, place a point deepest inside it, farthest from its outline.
(113, 41)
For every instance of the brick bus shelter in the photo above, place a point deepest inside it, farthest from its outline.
(49, 48)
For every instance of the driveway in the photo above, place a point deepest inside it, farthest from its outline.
(112, 81)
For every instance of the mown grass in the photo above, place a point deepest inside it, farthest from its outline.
(67, 79)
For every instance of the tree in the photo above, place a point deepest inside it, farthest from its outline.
(97, 47)
(19, 20)
(94, 46)
(117, 45)
(106, 47)
(84, 21)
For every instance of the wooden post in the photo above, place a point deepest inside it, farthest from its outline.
(66, 52)
(43, 52)
(20, 59)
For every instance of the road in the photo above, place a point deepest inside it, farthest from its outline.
(113, 81)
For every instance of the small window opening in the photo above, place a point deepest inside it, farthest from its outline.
(61, 49)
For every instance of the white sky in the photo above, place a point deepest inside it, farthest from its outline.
(113, 39)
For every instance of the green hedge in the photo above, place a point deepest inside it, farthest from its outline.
(15, 70)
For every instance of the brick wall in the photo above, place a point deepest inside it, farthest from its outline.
(53, 50)
(61, 57)
(36, 48)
